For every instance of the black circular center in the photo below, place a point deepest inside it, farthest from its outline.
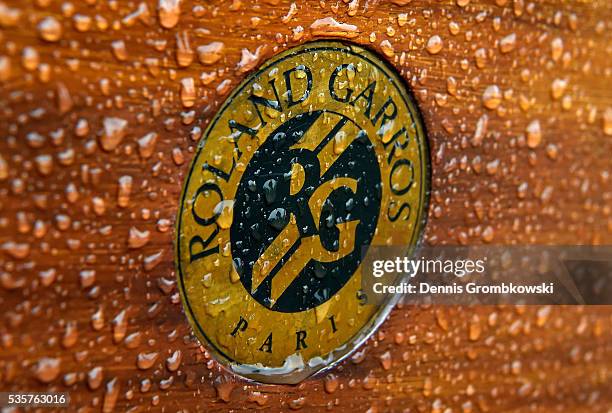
(300, 228)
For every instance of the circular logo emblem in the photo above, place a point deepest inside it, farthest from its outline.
(315, 157)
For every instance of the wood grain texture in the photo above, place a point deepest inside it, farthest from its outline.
(518, 109)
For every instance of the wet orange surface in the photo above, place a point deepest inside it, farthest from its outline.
(102, 104)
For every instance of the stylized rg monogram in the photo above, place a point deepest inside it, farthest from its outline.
(310, 246)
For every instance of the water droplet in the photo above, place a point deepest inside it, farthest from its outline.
(480, 57)
(508, 43)
(278, 218)
(328, 26)
(210, 53)
(133, 340)
(224, 388)
(47, 277)
(4, 173)
(480, 131)
(145, 361)
(82, 22)
(114, 131)
(434, 44)
(50, 29)
(556, 46)
(119, 50)
(534, 134)
(47, 369)
(124, 190)
(184, 52)
(5, 68)
(17, 250)
(492, 97)
(64, 100)
(224, 211)
(546, 194)
(70, 334)
(269, 189)
(138, 239)
(151, 261)
(258, 397)
(542, 315)
(557, 88)
(95, 377)
(188, 92)
(169, 12)
(97, 319)
(111, 395)
(146, 145)
(29, 58)
(607, 121)
(488, 234)
(387, 48)
(474, 330)
(385, 360)
(174, 361)
(249, 60)
(9, 16)
(331, 383)
(44, 164)
(87, 278)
